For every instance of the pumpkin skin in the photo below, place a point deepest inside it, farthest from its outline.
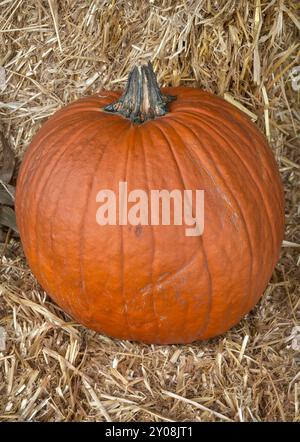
(152, 283)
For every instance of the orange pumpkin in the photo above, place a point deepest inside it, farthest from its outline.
(151, 283)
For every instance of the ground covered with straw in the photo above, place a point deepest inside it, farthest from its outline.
(52, 52)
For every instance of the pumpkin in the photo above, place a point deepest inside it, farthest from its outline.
(151, 282)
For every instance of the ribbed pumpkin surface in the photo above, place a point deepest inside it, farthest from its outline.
(152, 283)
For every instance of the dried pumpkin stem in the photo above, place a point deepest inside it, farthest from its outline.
(142, 99)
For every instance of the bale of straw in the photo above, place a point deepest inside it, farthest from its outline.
(52, 52)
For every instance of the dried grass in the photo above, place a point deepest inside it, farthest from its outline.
(56, 51)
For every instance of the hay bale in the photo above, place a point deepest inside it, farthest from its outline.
(52, 52)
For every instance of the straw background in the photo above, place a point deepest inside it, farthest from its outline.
(53, 52)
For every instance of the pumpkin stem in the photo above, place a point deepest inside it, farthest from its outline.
(142, 99)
